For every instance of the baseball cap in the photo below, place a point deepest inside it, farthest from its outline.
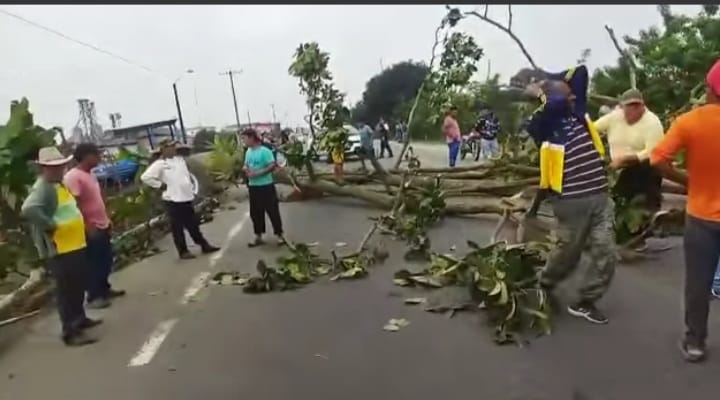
(713, 78)
(631, 96)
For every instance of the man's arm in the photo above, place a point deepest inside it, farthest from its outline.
(270, 163)
(664, 153)
(602, 124)
(151, 176)
(651, 137)
(73, 184)
(34, 211)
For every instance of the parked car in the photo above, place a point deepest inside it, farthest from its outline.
(352, 147)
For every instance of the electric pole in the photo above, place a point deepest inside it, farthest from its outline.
(272, 108)
(230, 73)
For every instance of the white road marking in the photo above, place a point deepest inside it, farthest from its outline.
(152, 345)
(231, 234)
(195, 286)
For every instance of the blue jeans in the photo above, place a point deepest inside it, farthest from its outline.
(488, 148)
(100, 262)
(716, 280)
(454, 148)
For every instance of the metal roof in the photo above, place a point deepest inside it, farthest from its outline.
(152, 125)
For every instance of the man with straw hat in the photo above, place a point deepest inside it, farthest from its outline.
(170, 174)
(58, 232)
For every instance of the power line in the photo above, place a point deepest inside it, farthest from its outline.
(80, 42)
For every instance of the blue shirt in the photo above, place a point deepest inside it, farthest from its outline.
(259, 158)
(366, 137)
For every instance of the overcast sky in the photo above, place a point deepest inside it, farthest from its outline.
(53, 72)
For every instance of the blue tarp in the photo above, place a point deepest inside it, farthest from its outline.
(122, 171)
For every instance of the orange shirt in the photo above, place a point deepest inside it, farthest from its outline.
(698, 133)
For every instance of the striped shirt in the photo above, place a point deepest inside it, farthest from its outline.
(583, 169)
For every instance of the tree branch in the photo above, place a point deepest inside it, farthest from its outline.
(624, 54)
(506, 29)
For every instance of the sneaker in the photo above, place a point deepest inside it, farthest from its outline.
(257, 242)
(691, 353)
(209, 249)
(187, 256)
(715, 293)
(589, 312)
(77, 340)
(99, 303)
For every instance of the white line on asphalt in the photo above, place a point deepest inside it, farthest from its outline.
(231, 234)
(151, 346)
(195, 286)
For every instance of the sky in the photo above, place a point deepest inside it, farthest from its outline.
(53, 72)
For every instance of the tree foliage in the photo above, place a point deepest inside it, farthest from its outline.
(20, 141)
(387, 92)
(672, 61)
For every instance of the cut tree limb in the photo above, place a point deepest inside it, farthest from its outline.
(632, 65)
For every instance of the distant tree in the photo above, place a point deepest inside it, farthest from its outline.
(203, 140)
(388, 90)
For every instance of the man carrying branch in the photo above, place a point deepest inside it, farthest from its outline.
(697, 132)
(572, 170)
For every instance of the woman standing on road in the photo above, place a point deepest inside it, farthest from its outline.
(451, 130)
(259, 166)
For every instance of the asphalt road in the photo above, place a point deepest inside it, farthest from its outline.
(173, 337)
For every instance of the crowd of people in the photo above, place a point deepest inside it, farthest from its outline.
(71, 229)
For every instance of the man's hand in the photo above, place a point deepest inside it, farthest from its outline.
(617, 163)
(534, 89)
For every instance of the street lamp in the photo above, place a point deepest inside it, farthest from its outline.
(177, 103)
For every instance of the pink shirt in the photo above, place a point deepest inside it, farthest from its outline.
(86, 189)
(451, 129)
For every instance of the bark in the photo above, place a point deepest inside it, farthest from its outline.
(624, 54)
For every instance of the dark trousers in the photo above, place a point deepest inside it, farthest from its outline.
(702, 251)
(70, 273)
(264, 200)
(640, 180)
(100, 261)
(182, 216)
(385, 145)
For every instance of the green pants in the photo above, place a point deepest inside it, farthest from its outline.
(585, 225)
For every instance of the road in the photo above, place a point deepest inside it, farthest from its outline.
(175, 338)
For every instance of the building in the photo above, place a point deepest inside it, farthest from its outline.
(145, 136)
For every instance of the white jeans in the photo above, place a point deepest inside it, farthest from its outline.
(488, 148)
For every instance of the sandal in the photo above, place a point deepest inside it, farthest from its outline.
(255, 243)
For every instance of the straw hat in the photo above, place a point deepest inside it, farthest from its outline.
(52, 157)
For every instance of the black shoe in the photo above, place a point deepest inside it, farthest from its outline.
(692, 353)
(187, 256)
(88, 323)
(77, 340)
(112, 293)
(589, 312)
(210, 249)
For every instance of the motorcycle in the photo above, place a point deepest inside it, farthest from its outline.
(470, 145)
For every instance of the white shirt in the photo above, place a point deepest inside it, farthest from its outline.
(174, 173)
(639, 138)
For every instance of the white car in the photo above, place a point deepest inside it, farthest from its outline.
(352, 147)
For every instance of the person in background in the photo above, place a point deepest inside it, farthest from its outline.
(572, 173)
(399, 132)
(451, 131)
(86, 189)
(338, 158)
(367, 151)
(259, 166)
(170, 174)
(488, 126)
(632, 133)
(58, 232)
(384, 131)
(697, 132)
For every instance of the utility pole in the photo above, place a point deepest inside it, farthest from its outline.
(249, 120)
(272, 108)
(230, 73)
(179, 111)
